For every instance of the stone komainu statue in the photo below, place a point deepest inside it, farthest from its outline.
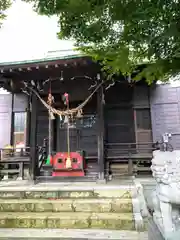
(166, 197)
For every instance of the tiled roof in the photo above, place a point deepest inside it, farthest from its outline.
(51, 56)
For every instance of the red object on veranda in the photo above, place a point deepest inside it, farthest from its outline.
(60, 168)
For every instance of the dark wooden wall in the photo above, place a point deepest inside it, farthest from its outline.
(119, 120)
(126, 111)
(84, 135)
(142, 118)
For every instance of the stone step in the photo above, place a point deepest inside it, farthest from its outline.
(66, 205)
(70, 234)
(67, 220)
(50, 193)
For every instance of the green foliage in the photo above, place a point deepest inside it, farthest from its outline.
(4, 5)
(122, 33)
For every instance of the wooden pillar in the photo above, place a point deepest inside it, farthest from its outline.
(33, 138)
(100, 115)
(12, 121)
(28, 122)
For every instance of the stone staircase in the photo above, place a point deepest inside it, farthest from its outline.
(102, 212)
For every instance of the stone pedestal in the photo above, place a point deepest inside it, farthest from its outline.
(166, 197)
(155, 234)
(153, 231)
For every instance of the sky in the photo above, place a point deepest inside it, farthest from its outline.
(26, 35)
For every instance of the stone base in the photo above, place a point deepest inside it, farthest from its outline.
(101, 181)
(5, 178)
(19, 179)
(155, 234)
(174, 236)
(153, 231)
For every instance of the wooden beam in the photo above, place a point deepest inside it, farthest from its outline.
(101, 132)
(33, 139)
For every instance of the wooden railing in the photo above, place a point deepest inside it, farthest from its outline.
(15, 152)
(115, 150)
(136, 155)
(13, 161)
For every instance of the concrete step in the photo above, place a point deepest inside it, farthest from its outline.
(67, 205)
(70, 234)
(66, 220)
(66, 192)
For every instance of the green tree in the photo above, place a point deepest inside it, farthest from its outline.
(4, 5)
(122, 33)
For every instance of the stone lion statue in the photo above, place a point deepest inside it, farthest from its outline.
(166, 197)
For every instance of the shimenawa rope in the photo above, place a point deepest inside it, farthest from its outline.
(68, 111)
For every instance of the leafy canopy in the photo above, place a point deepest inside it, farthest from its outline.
(122, 33)
(4, 5)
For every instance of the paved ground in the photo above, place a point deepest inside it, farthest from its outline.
(61, 185)
(28, 186)
(37, 234)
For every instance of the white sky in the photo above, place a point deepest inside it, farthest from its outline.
(25, 35)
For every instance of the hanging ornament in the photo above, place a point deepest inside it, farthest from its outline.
(65, 98)
(50, 100)
(68, 162)
(51, 115)
(66, 120)
(79, 114)
(60, 118)
(49, 160)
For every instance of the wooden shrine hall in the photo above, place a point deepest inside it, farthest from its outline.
(111, 132)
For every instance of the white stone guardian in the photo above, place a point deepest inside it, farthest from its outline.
(166, 197)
